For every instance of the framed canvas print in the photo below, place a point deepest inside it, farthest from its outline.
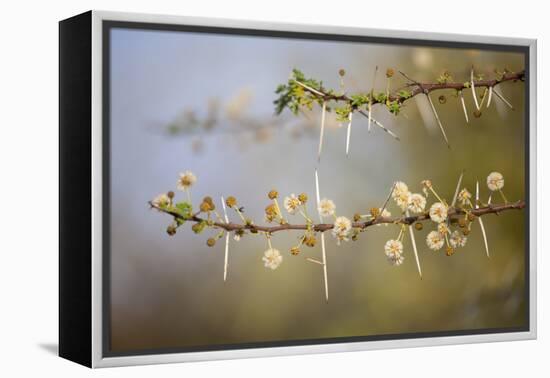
(235, 189)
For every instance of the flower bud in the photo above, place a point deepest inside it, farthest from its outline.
(205, 207)
(231, 201)
(310, 241)
(171, 230)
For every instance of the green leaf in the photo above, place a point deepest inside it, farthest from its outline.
(184, 209)
(380, 97)
(198, 227)
(293, 96)
(405, 94)
(394, 107)
(342, 113)
(359, 100)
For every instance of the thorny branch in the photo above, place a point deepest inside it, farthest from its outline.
(302, 92)
(418, 88)
(453, 213)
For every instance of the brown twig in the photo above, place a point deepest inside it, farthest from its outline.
(423, 88)
(453, 213)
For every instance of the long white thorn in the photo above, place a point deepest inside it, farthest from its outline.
(226, 258)
(379, 125)
(483, 97)
(499, 95)
(323, 114)
(309, 88)
(484, 237)
(318, 197)
(413, 241)
(438, 120)
(388, 198)
(490, 97)
(385, 129)
(473, 87)
(464, 106)
(481, 225)
(348, 133)
(323, 249)
(370, 97)
(457, 188)
(314, 261)
(370, 115)
(477, 195)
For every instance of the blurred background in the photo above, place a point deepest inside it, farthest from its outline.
(203, 102)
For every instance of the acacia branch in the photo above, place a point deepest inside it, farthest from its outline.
(418, 88)
(453, 214)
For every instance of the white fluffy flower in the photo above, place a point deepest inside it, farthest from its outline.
(438, 212)
(495, 181)
(291, 203)
(272, 258)
(435, 240)
(393, 247)
(396, 259)
(417, 203)
(401, 195)
(186, 180)
(457, 239)
(326, 207)
(464, 197)
(161, 200)
(342, 227)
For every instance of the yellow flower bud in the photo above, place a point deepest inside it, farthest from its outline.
(231, 201)
(310, 241)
